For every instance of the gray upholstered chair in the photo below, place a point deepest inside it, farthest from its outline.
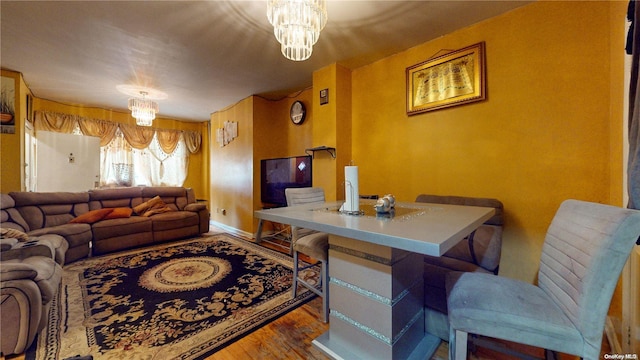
(478, 252)
(585, 249)
(311, 243)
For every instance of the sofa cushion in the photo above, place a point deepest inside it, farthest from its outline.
(106, 229)
(77, 235)
(92, 216)
(48, 209)
(113, 198)
(9, 215)
(174, 220)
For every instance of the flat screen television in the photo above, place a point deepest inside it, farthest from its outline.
(281, 173)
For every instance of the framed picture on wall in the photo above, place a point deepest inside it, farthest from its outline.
(7, 105)
(455, 78)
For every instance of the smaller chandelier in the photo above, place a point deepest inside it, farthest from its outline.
(297, 25)
(144, 110)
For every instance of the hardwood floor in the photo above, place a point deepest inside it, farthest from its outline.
(290, 337)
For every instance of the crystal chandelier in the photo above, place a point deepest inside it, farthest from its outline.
(144, 110)
(297, 25)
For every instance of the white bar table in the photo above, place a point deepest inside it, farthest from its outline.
(375, 266)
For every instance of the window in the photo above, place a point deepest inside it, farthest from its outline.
(123, 165)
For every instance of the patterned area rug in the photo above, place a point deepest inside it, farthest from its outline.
(176, 301)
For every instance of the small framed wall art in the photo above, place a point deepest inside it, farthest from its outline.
(455, 78)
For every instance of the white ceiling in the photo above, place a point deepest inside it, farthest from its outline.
(205, 55)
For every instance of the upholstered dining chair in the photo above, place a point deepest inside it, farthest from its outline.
(478, 252)
(311, 243)
(584, 251)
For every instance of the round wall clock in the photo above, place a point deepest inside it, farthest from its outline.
(298, 112)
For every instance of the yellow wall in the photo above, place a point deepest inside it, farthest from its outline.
(231, 168)
(264, 131)
(549, 130)
(333, 129)
(12, 145)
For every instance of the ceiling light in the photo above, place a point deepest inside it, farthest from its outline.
(144, 110)
(297, 25)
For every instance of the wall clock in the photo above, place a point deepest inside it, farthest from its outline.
(298, 112)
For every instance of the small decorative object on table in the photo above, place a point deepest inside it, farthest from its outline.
(385, 204)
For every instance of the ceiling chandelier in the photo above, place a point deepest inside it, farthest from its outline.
(297, 25)
(143, 109)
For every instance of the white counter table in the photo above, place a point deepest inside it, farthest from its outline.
(375, 265)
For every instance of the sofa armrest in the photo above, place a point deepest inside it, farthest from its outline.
(7, 244)
(23, 250)
(16, 271)
(195, 207)
(203, 214)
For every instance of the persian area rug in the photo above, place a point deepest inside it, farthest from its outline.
(175, 301)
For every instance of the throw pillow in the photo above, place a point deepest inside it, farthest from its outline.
(142, 208)
(7, 233)
(157, 209)
(117, 213)
(92, 216)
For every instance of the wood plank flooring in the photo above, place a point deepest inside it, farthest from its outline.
(290, 337)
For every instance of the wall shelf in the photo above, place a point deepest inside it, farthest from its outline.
(312, 151)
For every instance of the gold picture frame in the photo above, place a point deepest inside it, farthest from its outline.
(455, 78)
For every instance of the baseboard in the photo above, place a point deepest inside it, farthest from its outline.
(232, 230)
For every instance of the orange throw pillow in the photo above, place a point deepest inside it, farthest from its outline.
(121, 212)
(92, 216)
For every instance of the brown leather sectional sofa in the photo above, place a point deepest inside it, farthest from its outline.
(52, 213)
(60, 227)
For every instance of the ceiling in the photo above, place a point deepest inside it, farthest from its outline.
(205, 55)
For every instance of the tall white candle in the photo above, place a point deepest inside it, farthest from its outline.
(352, 202)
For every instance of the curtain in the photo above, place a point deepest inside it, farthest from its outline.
(137, 137)
(153, 166)
(633, 48)
(131, 155)
(63, 123)
(116, 162)
(105, 130)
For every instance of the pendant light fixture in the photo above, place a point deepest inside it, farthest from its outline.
(143, 109)
(297, 25)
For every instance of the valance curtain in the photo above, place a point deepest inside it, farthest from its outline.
(131, 155)
(138, 137)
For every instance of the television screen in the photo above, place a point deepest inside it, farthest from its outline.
(281, 173)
